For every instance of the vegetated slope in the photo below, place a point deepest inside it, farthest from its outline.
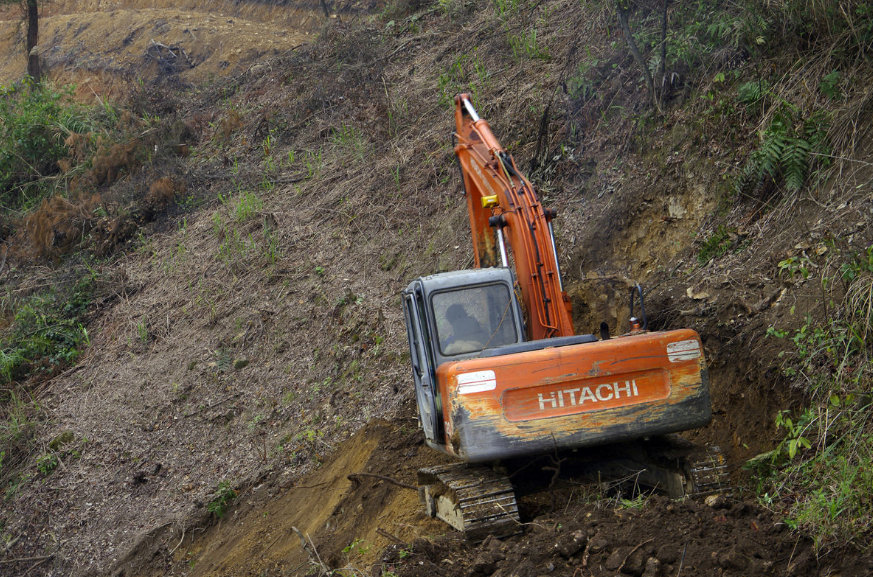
(107, 47)
(242, 339)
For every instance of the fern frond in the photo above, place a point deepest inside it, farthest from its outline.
(795, 162)
(747, 179)
(769, 156)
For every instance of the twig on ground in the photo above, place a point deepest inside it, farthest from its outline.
(23, 559)
(354, 478)
(586, 554)
(308, 486)
(682, 561)
(37, 564)
(173, 550)
(215, 404)
(632, 551)
(389, 536)
(309, 547)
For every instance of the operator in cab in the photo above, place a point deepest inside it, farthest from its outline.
(467, 334)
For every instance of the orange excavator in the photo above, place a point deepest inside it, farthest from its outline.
(499, 372)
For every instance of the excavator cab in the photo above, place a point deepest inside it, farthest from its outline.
(451, 317)
(471, 318)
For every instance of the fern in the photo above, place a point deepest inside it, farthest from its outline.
(769, 156)
(786, 152)
(795, 162)
(750, 93)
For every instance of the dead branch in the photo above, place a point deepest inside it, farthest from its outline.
(389, 536)
(309, 547)
(632, 551)
(354, 478)
(23, 559)
(167, 48)
(37, 564)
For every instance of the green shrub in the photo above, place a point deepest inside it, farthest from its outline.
(819, 475)
(33, 127)
(224, 495)
(716, 245)
(46, 332)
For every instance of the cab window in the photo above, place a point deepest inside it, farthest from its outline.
(475, 318)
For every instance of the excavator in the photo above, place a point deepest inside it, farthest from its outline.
(500, 374)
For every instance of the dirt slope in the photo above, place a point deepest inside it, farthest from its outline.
(252, 334)
(109, 46)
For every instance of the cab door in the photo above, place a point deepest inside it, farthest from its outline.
(426, 391)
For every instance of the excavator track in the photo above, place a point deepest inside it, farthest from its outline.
(475, 500)
(709, 472)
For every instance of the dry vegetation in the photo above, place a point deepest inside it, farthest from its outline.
(213, 277)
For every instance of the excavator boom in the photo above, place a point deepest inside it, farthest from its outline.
(504, 209)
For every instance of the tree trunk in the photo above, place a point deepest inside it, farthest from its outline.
(662, 70)
(623, 7)
(32, 38)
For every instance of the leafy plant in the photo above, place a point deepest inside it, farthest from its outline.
(794, 438)
(46, 331)
(358, 545)
(716, 245)
(819, 475)
(794, 265)
(750, 93)
(47, 463)
(786, 149)
(830, 85)
(637, 502)
(34, 122)
(221, 500)
(578, 85)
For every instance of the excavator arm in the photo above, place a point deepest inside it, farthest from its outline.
(504, 210)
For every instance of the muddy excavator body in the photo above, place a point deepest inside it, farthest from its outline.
(499, 373)
(491, 395)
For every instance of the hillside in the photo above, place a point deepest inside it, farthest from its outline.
(224, 259)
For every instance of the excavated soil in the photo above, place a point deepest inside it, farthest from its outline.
(356, 519)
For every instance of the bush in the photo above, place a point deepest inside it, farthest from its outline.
(819, 476)
(33, 126)
(46, 333)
